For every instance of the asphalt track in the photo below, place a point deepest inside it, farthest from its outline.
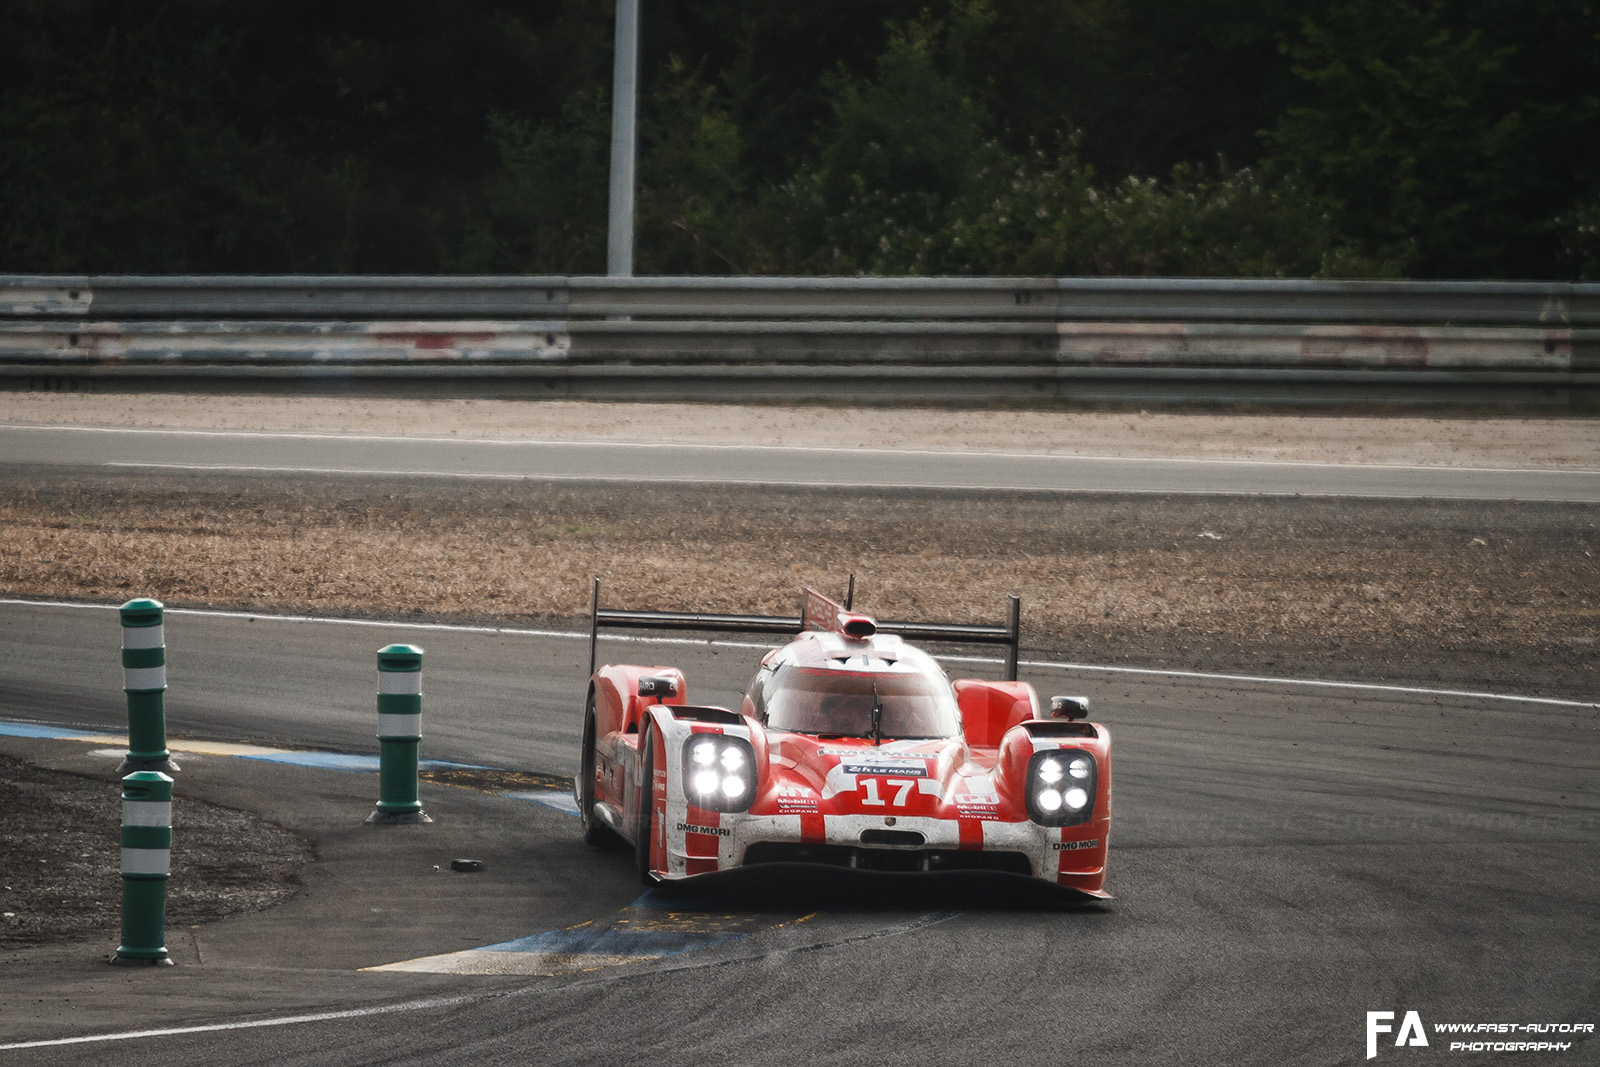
(1285, 860)
(269, 453)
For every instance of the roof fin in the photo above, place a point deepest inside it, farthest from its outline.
(858, 626)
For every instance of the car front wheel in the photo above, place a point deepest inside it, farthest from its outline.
(647, 809)
(593, 832)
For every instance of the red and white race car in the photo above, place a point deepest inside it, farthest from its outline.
(851, 748)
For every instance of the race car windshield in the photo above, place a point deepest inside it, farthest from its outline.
(839, 704)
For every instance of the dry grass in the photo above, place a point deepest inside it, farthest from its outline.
(1201, 582)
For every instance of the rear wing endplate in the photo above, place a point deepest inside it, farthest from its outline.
(814, 614)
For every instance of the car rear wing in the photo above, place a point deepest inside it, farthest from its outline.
(816, 612)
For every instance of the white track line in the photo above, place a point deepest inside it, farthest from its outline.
(450, 1002)
(823, 449)
(794, 483)
(1315, 683)
(1252, 679)
(253, 1024)
(799, 483)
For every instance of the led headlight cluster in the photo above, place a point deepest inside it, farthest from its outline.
(719, 773)
(1061, 787)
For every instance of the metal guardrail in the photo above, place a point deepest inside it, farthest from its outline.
(805, 343)
(1003, 339)
(322, 297)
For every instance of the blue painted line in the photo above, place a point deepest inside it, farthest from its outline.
(29, 729)
(613, 943)
(328, 761)
(654, 899)
(331, 761)
(345, 761)
(559, 799)
(675, 897)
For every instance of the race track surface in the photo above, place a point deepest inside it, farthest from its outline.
(1286, 857)
(273, 453)
(1285, 860)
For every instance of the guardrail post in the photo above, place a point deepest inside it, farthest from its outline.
(399, 735)
(624, 94)
(146, 866)
(144, 679)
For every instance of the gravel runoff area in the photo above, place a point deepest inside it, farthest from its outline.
(1499, 596)
(1458, 593)
(59, 859)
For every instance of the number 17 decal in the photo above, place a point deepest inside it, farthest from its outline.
(870, 787)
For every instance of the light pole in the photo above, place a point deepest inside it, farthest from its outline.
(624, 96)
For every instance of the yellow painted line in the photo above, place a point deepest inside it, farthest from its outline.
(219, 748)
(646, 920)
(493, 961)
(198, 748)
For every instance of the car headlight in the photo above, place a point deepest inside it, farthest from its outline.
(719, 773)
(1061, 787)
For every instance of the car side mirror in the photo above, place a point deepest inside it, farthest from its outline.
(1070, 708)
(658, 686)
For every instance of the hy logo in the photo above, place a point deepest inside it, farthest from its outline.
(1410, 1033)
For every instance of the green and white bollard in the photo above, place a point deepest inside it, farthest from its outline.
(146, 865)
(399, 735)
(144, 674)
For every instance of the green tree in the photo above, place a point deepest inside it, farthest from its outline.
(203, 135)
(544, 211)
(905, 146)
(1448, 137)
(691, 198)
(926, 136)
(910, 179)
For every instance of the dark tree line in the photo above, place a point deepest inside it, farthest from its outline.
(1340, 138)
